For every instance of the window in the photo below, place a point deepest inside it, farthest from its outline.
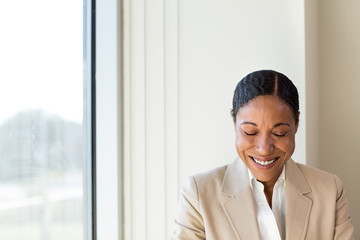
(45, 120)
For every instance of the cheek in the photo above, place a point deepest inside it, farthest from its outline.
(242, 144)
(287, 146)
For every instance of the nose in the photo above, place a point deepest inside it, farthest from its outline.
(265, 144)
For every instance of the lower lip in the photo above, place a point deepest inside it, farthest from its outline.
(264, 166)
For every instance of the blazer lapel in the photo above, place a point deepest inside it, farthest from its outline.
(298, 205)
(238, 202)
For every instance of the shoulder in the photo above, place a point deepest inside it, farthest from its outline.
(202, 186)
(214, 175)
(312, 172)
(209, 180)
(320, 180)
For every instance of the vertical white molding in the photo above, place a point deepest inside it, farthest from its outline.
(135, 196)
(155, 116)
(127, 116)
(171, 112)
(138, 120)
(150, 118)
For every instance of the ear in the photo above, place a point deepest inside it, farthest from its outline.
(233, 118)
(297, 122)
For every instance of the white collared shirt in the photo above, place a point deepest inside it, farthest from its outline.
(271, 221)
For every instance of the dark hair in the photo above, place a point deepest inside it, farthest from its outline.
(266, 82)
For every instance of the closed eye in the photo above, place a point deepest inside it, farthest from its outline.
(249, 134)
(279, 135)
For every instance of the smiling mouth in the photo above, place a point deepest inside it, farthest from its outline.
(264, 163)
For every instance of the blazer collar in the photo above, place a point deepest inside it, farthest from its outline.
(239, 205)
(238, 202)
(297, 203)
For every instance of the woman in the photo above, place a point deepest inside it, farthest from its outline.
(264, 194)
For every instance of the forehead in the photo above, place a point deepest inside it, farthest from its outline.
(267, 109)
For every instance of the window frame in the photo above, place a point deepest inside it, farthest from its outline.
(107, 117)
(89, 51)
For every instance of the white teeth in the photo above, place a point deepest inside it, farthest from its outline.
(264, 163)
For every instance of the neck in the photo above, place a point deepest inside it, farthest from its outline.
(268, 188)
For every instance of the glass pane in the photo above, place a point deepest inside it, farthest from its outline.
(42, 133)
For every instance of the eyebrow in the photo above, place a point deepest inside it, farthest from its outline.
(251, 123)
(280, 124)
(276, 125)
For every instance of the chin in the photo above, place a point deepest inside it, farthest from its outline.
(262, 178)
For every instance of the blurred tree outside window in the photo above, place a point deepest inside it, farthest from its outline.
(42, 123)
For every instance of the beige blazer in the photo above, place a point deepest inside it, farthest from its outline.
(218, 205)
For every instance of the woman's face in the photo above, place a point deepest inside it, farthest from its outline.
(265, 136)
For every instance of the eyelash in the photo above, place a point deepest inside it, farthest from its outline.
(280, 135)
(249, 134)
(277, 135)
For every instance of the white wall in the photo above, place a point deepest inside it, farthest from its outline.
(183, 60)
(339, 55)
(312, 82)
(219, 43)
